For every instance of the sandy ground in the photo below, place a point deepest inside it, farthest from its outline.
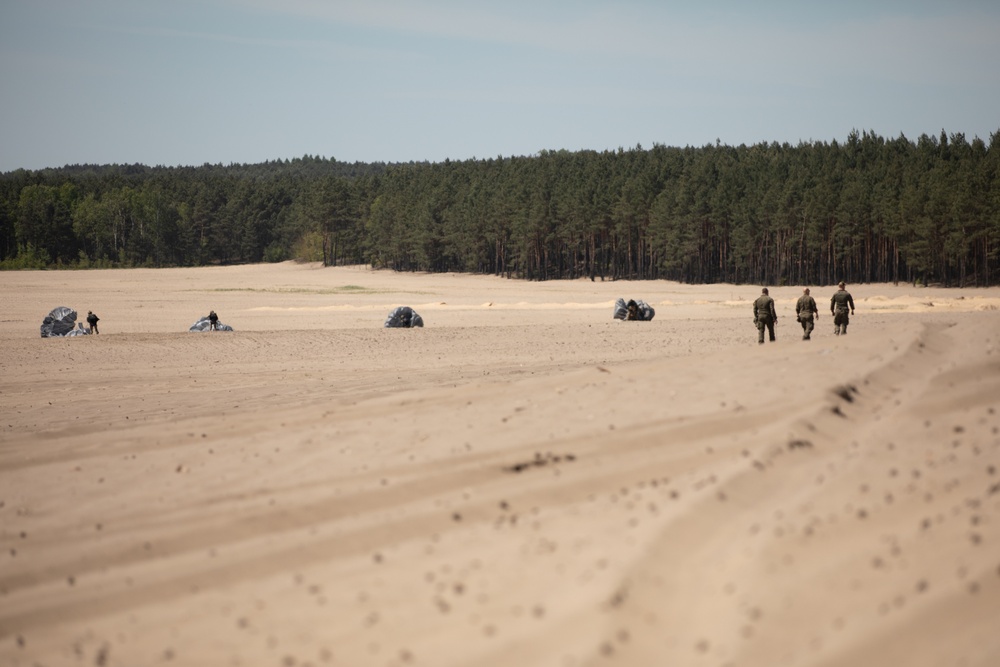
(525, 481)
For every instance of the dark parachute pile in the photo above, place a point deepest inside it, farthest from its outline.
(403, 317)
(60, 323)
(204, 325)
(640, 311)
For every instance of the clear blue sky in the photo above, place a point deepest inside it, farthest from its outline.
(185, 82)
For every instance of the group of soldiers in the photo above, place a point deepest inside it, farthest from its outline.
(764, 314)
(841, 305)
(93, 319)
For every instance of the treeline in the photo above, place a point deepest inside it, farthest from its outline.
(864, 210)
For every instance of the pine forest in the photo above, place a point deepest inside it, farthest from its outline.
(863, 210)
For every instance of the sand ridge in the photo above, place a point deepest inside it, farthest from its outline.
(528, 482)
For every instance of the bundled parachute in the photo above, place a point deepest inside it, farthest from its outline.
(403, 317)
(639, 311)
(205, 324)
(61, 322)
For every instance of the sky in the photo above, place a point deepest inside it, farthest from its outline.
(189, 82)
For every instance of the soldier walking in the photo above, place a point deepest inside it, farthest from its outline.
(92, 321)
(805, 310)
(764, 316)
(840, 303)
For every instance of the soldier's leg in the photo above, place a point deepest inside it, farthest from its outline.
(770, 330)
(760, 332)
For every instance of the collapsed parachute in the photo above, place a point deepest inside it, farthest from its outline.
(60, 323)
(639, 311)
(204, 324)
(403, 317)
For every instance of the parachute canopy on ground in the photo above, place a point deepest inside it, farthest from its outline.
(639, 311)
(61, 322)
(403, 317)
(205, 325)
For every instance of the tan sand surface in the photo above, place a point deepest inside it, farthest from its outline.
(525, 481)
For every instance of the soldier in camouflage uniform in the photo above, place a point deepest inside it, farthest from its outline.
(840, 303)
(764, 316)
(805, 310)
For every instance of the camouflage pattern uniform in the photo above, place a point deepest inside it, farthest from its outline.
(764, 316)
(840, 303)
(805, 310)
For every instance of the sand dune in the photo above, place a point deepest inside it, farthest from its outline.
(523, 481)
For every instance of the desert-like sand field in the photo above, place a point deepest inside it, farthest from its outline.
(525, 481)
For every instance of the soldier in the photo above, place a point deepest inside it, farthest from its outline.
(92, 321)
(213, 321)
(840, 302)
(764, 316)
(805, 310)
